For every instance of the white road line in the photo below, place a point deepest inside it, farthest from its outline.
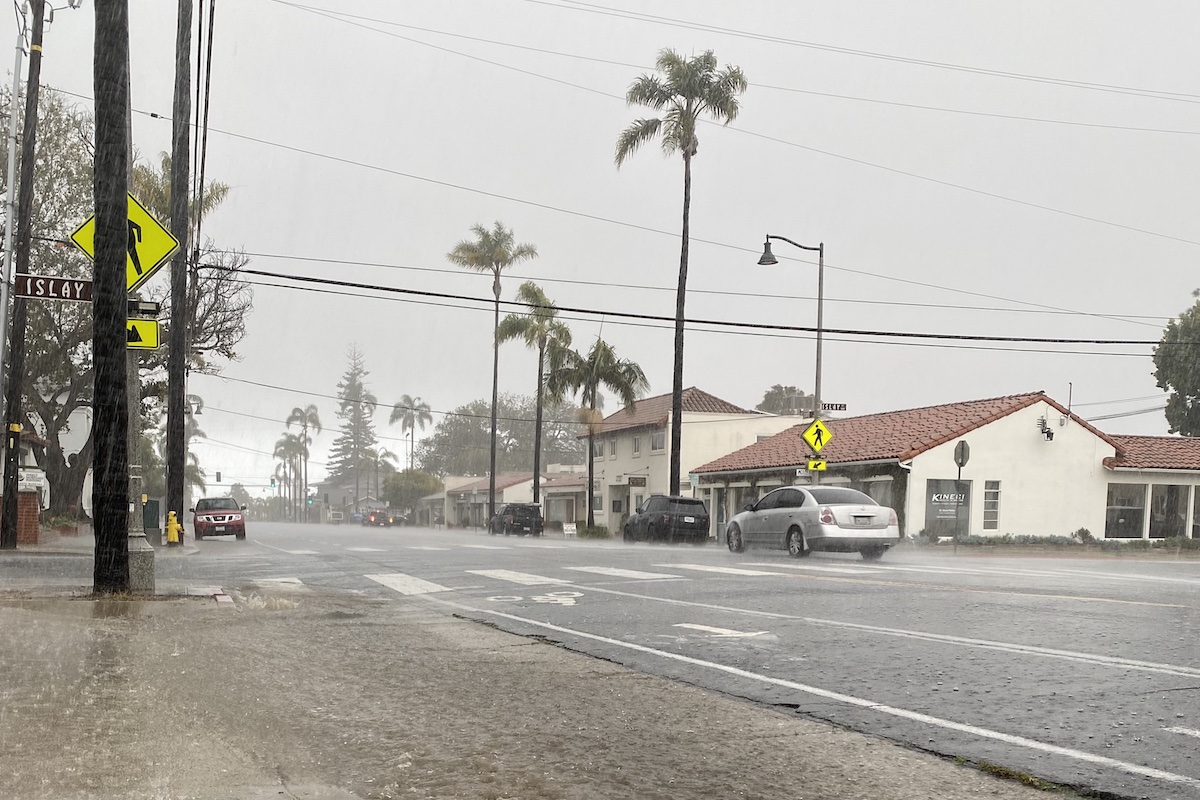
(625, 573)
(302, 552)
(291, 581)
(838, 697)
(722, 570)
(961, 641)
(486, 546)
(407, 584)
(1128, 577)
(422, 547)
(366, 550)
(523, 578)
(1184, 731)
(815, 568)
(724, 633)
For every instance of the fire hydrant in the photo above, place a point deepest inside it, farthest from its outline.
(174, 530)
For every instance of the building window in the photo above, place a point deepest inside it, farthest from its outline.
(991, 505)
(612, 447)
(658, 440)
(616, 505)
(597, 448)
(1126, 510)
(598, 502)
(637, 445)
(1168, 511)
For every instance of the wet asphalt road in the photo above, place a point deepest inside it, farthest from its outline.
(1078, 671)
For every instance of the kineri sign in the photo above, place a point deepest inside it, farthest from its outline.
(42, 287)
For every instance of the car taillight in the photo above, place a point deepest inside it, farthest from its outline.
(511, 519)
(893, 519)
(826, 516)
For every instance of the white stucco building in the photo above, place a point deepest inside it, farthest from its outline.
(1034, 468)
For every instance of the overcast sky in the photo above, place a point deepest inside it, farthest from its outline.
(1015, 169)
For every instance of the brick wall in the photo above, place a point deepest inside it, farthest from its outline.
(28, 507)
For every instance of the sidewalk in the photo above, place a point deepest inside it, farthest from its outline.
(83, 543)
(304, 694)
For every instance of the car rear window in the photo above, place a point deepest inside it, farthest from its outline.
(218, 503)
(686, 506)
(522, 511)
(840, 496)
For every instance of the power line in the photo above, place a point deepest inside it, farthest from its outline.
(1114, 402)
(757, 85)
(1122, 414)
(648, 229)
(756, 326)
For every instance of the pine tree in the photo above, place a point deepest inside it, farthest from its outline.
(356, 413)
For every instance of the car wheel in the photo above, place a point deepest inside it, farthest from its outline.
(240, 536)
(199, 536)
(506, 530)
(651, 534)
(627, 534)
(734, 539)
(795, 543)
(873, 553)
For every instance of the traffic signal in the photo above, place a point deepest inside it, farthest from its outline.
(310, 501)
(272, 483)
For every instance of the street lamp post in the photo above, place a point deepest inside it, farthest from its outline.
(768, 259)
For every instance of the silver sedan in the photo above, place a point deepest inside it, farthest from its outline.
(801, 519)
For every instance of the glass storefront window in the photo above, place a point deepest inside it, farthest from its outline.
(1126, 510)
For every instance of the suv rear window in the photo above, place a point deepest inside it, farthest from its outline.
(840, 496)
(522, 511)
(684, 505)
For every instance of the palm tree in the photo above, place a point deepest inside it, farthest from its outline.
(572, 373)
(411, 413)
(492, 251)
(306, 418)
(372, 457)
(290, 448)
(684, 90)
(539, 328)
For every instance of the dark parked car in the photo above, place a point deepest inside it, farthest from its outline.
(669, 519)
(378, 517)
(517, 518)
(218, 516)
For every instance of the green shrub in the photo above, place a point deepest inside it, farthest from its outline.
(594, 532)
(1179, 543)
(1083, 536)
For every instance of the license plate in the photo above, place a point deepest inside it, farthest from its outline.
(219, 529)
(862, 520)
(689, 519)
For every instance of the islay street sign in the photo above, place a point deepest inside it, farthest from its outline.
(43, 287)
(141, 334)
(150, 244)
(833, 406)
(817, 435)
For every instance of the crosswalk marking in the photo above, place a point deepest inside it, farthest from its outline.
(423, 547)
(722, 570)
(290, 581)
(1184, 731)
(366, 549)
(407, 584)
(624, 573)
(301, 552)
(815, 568)
(486, 546)
(523, 578)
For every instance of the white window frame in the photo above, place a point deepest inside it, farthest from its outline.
(654, 440)
(991, 494)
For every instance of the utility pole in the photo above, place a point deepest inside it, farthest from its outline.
(12, 456)
(10, 227)
(177, 353)
(110, 485)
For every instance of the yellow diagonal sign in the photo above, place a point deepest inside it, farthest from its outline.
(141, 334)
(149, 246)
(817, 466)
(817, 435)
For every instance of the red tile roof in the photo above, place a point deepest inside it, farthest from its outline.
(1156, 452)
(653, 411)
(889, 436)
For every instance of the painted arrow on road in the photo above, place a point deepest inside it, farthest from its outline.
(724, 633)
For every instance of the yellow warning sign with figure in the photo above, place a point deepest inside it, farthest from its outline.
(817, 435)
(148, 247)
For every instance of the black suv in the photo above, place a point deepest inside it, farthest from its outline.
(669, 519)
(517, 518)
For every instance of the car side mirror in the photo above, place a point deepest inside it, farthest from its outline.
(748, 507)
(192, 510)
(244, 508)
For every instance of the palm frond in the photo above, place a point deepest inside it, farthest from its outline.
(648, 90)
(633, 137)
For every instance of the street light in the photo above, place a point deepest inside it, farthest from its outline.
(768, 259)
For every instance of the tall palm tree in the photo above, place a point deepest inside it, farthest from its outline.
(411, 413)
(372, 458)
(492, 251)
(306, 418)
(291, 449)
(571, 373)
(539, 328)
(684, 90)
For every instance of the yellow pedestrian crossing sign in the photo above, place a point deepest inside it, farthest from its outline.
(141, 334)
(149, 245)
(817, 435)
(817, 466)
